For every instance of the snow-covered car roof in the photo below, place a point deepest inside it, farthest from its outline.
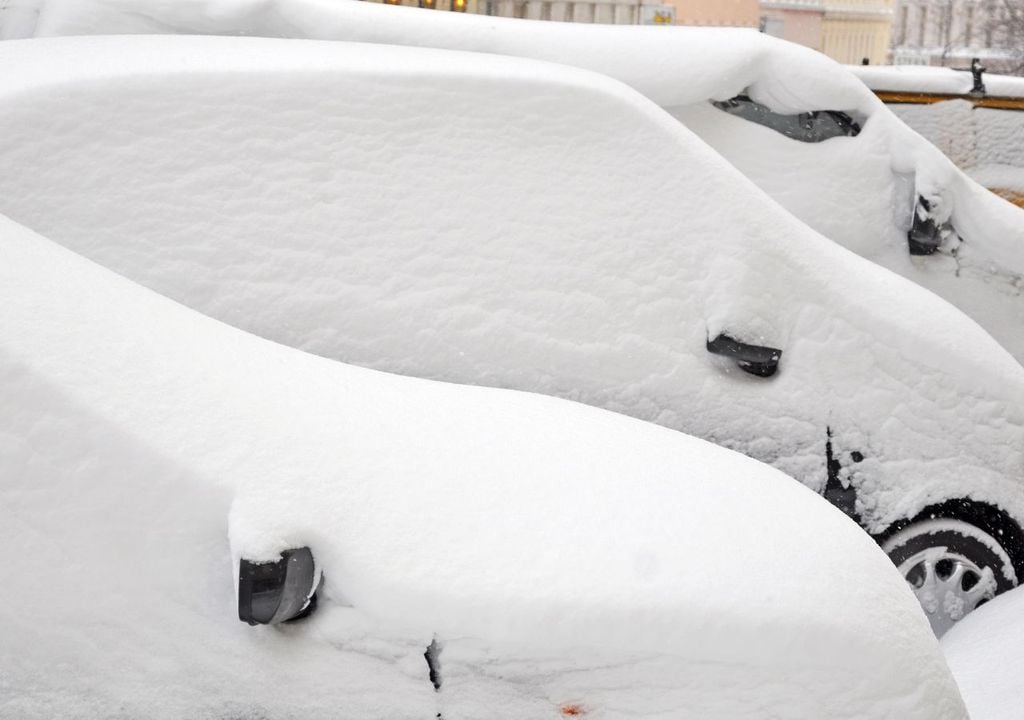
(552, 550)
(506, 222)
(861, 192)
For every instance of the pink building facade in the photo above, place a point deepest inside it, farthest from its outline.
(798, 21)
(717, 13)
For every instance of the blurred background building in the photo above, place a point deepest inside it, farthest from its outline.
(798, 21)
(951, 32)
(848, 31)
(925, 32)
(857, 30)
(611, 12)
(717, 13)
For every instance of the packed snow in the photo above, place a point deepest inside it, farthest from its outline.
(861, 195)
(988, 143)
(503, 222)
(563, 556)
(677, 65)
(986, 657)
(934, 80)
(848, 189)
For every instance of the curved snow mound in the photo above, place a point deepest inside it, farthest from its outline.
(984, 653)
(942, 80)
(860, 192)
(562, 555)
(502, 222)
(670, 65)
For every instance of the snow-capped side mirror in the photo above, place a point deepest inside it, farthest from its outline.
(754, 359)
(274, 592)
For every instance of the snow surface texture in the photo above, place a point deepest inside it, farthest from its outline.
(502, 222)
(562, 555)
(984, 653)
(945, 81)
(861, 197)
(847, 189)
(987, 143)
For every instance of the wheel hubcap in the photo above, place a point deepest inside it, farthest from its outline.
(948, 585)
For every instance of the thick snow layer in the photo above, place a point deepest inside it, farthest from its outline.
(875, 182)
(984, 651)
(673, 66)
(1000, 177)
(971, 137)
(504, 222)
(937, 80)
(562, 555)
(847, 189)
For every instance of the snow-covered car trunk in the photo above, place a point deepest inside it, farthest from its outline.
(556, 559)
(863, 192)
(506, 222)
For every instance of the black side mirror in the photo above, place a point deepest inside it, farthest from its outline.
(754, 359)
(925, 234)
(274, 592)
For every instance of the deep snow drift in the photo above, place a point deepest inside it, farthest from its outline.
(986, 657)
(503, 222)
(859, 192)
(564, 556)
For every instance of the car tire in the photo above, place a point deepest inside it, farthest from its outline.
(952, 567)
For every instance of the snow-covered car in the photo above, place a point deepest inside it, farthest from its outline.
(800, 125)
(985, 656)
(975, 118)
(512, 223)
(483, 552)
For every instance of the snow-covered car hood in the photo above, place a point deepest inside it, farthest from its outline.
(566, 559)
(860, 192)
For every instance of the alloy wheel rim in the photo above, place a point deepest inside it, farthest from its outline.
(948, 585)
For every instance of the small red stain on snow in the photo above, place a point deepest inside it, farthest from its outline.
(573, 710)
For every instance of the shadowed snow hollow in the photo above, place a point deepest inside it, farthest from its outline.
(561, 556)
